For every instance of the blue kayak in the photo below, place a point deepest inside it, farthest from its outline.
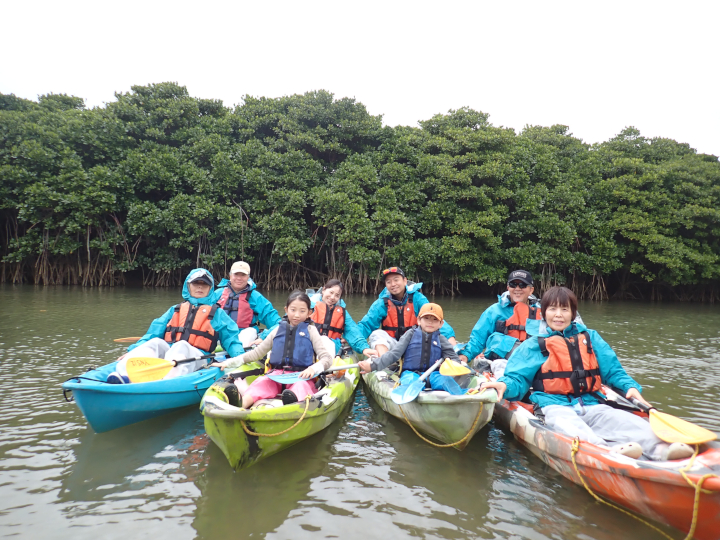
(110, 406)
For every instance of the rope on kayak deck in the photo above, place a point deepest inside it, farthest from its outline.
(698, 488)
(469, 433)
(575, 448)
(250, 432)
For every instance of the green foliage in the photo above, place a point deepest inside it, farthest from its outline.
(307, 186)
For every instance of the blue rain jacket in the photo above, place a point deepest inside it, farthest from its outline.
(378, 311)
(351, 332)
(263, 310)
(501, 310)
(221, 323)
(527, 359)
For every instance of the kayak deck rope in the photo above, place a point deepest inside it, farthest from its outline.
(250, 432)
(697, 487)
(469, 433)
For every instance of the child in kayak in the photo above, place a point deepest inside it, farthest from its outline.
(420, 347)
(333, 321)
(190, 329)
(292, 347)
(566, 367)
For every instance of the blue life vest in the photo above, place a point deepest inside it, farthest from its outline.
(292, 348)
(422, 351)
(237, 305)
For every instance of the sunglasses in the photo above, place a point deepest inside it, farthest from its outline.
(393, 270)
(516, 285)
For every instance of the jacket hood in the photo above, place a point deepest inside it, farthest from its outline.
(574, 328)
(317, 297)
(206, 301)
(224, 282)
(411, 287)
(504, 300)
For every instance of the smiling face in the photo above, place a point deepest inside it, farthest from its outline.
(297, 311)
(396, 284)
(198, 289)
(331, 295)
(558, 317)
(238, 281)
(429, 323)
(518, 295)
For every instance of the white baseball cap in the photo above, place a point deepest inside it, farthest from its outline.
(240, 266)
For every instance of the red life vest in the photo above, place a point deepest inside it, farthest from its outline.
(515, 325)
(571, 367)
(192, 323)
(399, 319)
(329, 322)
(237, 306)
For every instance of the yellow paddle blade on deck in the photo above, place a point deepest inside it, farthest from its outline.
(126, 339)
(147, 369)
(453, 369)
(672, 429)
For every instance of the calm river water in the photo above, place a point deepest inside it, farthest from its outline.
(367, 476)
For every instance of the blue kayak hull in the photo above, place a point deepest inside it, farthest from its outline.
(110, 406)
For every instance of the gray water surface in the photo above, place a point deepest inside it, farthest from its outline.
(367, 476)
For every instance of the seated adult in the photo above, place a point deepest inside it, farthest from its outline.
(566, 367)
(188, 330)
(501, 327)
(395, 312)
(239, 298)
(333, 321)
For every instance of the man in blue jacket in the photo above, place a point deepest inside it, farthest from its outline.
(239, 297)
(395, 312)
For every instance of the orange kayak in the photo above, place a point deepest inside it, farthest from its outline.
(655, 489)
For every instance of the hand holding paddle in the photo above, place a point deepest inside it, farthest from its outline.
(292, 378)
(672, 429)
(147, 369)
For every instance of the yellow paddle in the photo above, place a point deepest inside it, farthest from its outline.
(147, 369)
(673, 429)
(126, 339)
(453, 369)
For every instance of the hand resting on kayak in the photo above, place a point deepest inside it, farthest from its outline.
(500, 387)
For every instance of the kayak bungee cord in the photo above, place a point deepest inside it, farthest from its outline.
(697, 487)
(469, 433)
(249, 432)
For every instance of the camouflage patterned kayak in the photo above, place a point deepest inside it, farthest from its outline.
(452, 420)
(248, 436)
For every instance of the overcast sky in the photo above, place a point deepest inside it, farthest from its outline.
(594, 66)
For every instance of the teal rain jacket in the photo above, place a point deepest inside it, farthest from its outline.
(263, 310)
(225, 327)
(485, 327)
(527, 359)
(378, 310)
(351, 331)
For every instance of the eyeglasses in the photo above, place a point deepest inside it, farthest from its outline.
(517, 285)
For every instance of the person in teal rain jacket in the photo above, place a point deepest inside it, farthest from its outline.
(566, 367)
(246, 306)
(187, 330)
(334, 322)
(395, 312)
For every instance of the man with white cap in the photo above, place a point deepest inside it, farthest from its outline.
(239, 297)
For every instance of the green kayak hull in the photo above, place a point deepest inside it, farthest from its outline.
(438, 415)
(224, 422)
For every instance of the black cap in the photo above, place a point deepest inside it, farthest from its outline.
(520, 275)
(393, 270)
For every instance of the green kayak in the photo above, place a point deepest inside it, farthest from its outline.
(248, 436)
(452, 420)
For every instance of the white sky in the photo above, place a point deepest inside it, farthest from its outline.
(596, 66)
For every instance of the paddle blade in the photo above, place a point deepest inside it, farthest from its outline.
(408, 393)
(147, 369)
(453, 369)
(672, 429)
(126, 339)
(284, 378)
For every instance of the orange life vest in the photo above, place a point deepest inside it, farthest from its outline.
(571, 367)
(329, 322)
(399, 319)
(515, 325)
(192, 323)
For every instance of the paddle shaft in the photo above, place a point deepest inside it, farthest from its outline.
(432, 368)
(640, 405)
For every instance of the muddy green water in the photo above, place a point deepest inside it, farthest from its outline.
(367, 476)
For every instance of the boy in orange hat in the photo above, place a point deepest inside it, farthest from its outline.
(421, 346)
